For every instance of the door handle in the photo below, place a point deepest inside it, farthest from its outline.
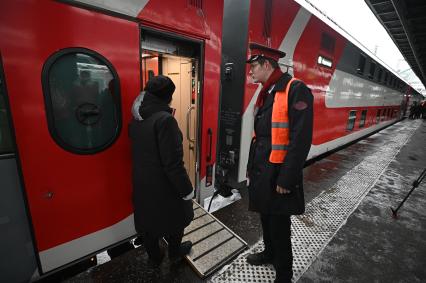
(188, 123)
(210, 134)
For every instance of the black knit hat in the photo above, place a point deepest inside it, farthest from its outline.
(161, 87)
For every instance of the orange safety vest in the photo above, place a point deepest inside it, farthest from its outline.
(280, 126)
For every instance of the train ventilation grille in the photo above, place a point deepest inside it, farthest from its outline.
(196, 3)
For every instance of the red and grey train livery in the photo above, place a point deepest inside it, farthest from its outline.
(70, 70)
(354, 92)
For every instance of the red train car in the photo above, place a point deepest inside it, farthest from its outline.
(354, 92)
(70, 73)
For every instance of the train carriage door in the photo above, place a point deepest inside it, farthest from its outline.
(177, 59)
(17, 262)
(71, 83)
(179, 69)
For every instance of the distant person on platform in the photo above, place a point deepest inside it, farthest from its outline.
(162, 190)
(283, 121)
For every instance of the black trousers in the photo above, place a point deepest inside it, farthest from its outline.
(152, 245)
(277, 239)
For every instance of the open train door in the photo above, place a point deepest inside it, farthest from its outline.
(72, 76)
(178, 58)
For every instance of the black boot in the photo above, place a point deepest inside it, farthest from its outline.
(183, 249)
(154, 260)
(283, 275)
(282, 280)
(259, 258)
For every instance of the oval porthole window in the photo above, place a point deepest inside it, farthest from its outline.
(82, 97)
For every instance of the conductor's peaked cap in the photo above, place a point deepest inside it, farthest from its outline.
(258, 51)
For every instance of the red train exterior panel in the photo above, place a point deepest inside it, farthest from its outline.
(81, 203)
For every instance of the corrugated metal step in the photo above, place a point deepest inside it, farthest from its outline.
(214, 244)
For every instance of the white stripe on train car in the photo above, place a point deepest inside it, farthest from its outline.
(347, 90)
(246, 135)
(333, 144)
(127, 7)
(287, 45)
(65, 253)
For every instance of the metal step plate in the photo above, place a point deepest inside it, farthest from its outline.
(214, 244)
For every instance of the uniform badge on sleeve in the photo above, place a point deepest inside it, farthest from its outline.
(300, 105)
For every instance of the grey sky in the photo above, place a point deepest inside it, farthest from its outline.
(356, 18)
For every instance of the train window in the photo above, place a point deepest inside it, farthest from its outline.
(372, 70)
(363, 117)
(6, 144)
(325, 61)
(328, 43)
(386, 78)
(379, 76)
(378, 115)
(351, 120)
(267, 19)
(81, 90)
(361, 64)
(383, 116)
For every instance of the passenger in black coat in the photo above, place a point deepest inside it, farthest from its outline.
(276, 189)
(162, 190)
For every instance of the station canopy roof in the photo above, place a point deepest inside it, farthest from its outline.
(405, 21)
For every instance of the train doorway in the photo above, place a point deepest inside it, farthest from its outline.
(16, 241)
(179, 60)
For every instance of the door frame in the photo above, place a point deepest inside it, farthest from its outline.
(199, 61)
(15, 155)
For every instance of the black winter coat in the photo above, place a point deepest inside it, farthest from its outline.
(264, 175)
(160, 180)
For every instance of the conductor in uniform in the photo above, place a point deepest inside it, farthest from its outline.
(283, 122)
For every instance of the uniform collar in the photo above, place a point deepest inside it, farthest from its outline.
(282, 82)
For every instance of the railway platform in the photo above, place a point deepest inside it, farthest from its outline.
(347, 234)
